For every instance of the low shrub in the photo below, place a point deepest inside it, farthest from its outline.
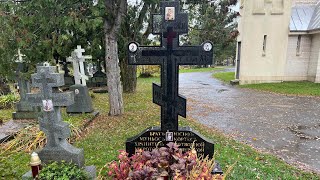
(167, 162)
(8, 101)
(62, 170)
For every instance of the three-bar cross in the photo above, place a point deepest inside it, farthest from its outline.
(169, 24)
(46, 79)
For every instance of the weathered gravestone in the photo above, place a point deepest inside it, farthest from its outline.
(83, 103)
(57, 131)
(68, 79)
(169, 24)
(23, 109)
(99, 78)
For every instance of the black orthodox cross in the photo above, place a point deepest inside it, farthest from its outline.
(46, 79)
(65, 68)
(169, 24)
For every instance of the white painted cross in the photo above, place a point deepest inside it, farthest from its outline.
(81, 60)
(20, 56)
(75, 64)
(78, 65)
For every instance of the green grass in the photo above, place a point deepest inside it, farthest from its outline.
(202, 69)
(106, 135)
(301, 88)
(14, 164)
(6, 114)
(224, 76)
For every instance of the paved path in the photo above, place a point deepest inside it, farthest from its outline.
(287, 126)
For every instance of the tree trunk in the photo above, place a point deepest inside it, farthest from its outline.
(128, 76)
(113, 76)
(112, 24)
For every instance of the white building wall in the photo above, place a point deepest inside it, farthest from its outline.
(256, 66)
(314, 65)
(304, 2)
(297, 61)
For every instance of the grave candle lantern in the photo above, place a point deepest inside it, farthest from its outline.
(35, 164)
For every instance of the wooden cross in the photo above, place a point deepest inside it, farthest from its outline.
(169, 55)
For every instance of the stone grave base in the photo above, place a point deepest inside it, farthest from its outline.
(68, 80)
(25, 111)
(91, 171)
(185, 137)
(66, 152)
(24, 115)
(97, 81)
(82, 100)
(100, 90)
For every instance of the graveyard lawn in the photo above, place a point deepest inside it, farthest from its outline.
(209, 69)
(224, 76)
(15, 154)
(301, 88)
(106, 135)
(5, 115)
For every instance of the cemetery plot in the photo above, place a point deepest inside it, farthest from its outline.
(185, 137)
(50, 122)
(169, 24)
(83, 102)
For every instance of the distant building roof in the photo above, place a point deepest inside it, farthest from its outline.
(305, 17)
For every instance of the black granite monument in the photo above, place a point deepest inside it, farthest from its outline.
(169, 24)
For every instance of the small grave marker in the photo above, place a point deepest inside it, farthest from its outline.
(68, 79)
(57, 131)
(81, 59)
(169, 24)
(83, 103)
(99, 78)
(24, 111)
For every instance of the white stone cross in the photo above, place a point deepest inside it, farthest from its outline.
(81, 59)
(78, 60)
(20, 56)
(75, 64)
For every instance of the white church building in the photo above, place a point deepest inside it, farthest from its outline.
(279, 41)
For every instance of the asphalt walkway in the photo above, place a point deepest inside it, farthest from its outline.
(287, 126)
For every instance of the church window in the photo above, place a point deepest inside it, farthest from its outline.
(299, 45)
(264, 46)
